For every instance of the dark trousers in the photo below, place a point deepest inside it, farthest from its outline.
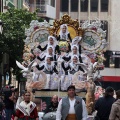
(9, 113)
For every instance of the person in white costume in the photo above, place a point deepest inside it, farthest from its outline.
(74, 51)
(50, 69)
(50, 52)
(76, 41)
(26, 110)
(52, 42)
(64, 35)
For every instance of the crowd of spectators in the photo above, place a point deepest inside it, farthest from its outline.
(107, 106)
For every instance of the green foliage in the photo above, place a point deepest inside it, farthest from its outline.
(11, 41)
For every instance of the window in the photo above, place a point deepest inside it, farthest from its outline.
(74, 5)
(94, 5)
(84, 5)
(40, 4)
(104, 26)
(104, 5)
(53, 3)
(0, 6)
(112, 62)
(107, 55)
(112, 59)
(64, 5)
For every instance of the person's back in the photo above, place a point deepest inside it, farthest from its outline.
(115, 111)
(103, 106)
(9, 104)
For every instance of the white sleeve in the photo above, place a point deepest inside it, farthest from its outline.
(58, 113)
(85, 113)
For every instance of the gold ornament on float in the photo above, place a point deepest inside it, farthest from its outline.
(73, 26)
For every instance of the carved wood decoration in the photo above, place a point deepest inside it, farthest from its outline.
(73, 26)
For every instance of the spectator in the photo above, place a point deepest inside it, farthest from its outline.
(9, 103)
(103, 105)
(2, 112)
(54, 104)
(115, 111)
(98, 92)
(27, 109)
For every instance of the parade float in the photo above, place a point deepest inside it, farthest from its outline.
(89, 39)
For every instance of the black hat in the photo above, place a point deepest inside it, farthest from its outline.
(11, 86)
(71, 87)
(109, 90)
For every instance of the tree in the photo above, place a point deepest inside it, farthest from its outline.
(12, 39)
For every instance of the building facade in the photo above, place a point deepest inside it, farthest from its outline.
(105, 10)
(48, 9)
(108, 12)
(18, 4)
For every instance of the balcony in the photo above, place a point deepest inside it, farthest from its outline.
(26, 4)
(41, 8)
(10, 4)
(44, 10)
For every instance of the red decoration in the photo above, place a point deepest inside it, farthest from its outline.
(7, 86)
(36, 27)
(94, 28)
(92, 60)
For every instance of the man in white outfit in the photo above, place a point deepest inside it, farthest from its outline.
(71, 107)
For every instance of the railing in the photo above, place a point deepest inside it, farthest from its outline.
(41, 8)
(26, 2)
(44, 10)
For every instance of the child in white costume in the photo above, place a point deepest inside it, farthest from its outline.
(50, 69)
(70, 70)
(51, 42)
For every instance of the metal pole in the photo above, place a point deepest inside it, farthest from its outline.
(59, 68)
(99, 8)
(79, 6)
(69, 7)
(89, 10)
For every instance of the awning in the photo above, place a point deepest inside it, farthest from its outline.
(110, 79)
(10, 4)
